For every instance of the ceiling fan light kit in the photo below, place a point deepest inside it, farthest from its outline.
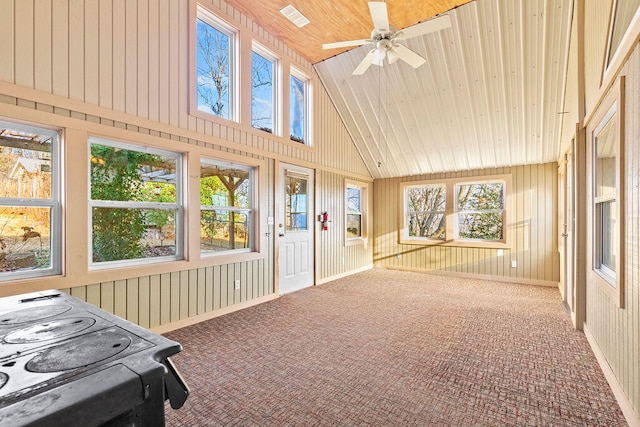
(385, 38)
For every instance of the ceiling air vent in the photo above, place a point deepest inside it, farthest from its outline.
(293, 15)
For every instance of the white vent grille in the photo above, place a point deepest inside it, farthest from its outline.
(293, 15)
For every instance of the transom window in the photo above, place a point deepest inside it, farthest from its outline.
(30, 224)
(215, 65)
(135, 203)
(263, 90)
(226, 207)
(298, 106)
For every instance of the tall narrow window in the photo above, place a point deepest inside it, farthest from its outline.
(425, 211)
(605, 217)
(226, 207)
(215, 66)
(354, 211)
(135, 204)
(263, 69)
(298, 109)
(29, 202)
(480, 211)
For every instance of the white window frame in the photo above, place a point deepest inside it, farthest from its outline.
(178, 207)
(407, 213)
(276, 86)
(220, 25)
(502, 211)
(251, 211)
(611, 282)
(54, 204)
(363, 212)
(308, 112)
(451, 218)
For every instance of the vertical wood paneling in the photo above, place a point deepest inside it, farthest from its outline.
(105, 57)
(60, 45)
(617, 331)
(131, 56)
(120, 298)
(7, 41)
(42, 46)
(23, 33)
(84, 77)
(530, 219)
(132, 301)
(155, 301)
(144, 307)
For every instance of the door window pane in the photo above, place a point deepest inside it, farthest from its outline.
(296, 203)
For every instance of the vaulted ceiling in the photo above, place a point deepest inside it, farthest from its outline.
(489, 95)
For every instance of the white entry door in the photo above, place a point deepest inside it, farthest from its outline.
(295, 228)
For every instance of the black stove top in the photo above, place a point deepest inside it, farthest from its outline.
(66, 362)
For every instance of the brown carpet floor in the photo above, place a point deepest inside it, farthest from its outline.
(395, 348)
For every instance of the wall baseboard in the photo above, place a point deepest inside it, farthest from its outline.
(503, 279)
(632, 417)
(168, 327)
(341, 275)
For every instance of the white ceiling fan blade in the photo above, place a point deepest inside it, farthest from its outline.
(435, 24)
(365, 64)
(346, 44)
(379, 15)
(408, 56)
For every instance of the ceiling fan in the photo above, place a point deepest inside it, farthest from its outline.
(386, 39)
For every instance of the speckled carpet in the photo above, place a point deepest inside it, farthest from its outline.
(395, 348)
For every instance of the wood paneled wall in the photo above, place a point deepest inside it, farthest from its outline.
(132, 57)
(616, 331)
(532, 220)
(161, 299)
(335, 256)
(87, 65)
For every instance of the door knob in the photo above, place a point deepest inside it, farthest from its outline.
(281, 234)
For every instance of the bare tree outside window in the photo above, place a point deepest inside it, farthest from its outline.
(213, 65)
(426, 211)
(297, 109)
(262, 92)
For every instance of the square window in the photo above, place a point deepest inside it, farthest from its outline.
(226, 207)
(135, 203)
(215, 66)
(30, 227)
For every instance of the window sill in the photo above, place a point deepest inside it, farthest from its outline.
(356, 241)
(457, 243)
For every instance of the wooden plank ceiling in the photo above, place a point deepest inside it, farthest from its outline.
(490, 94)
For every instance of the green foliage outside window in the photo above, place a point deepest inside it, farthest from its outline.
(117, 175)
(480, 210)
